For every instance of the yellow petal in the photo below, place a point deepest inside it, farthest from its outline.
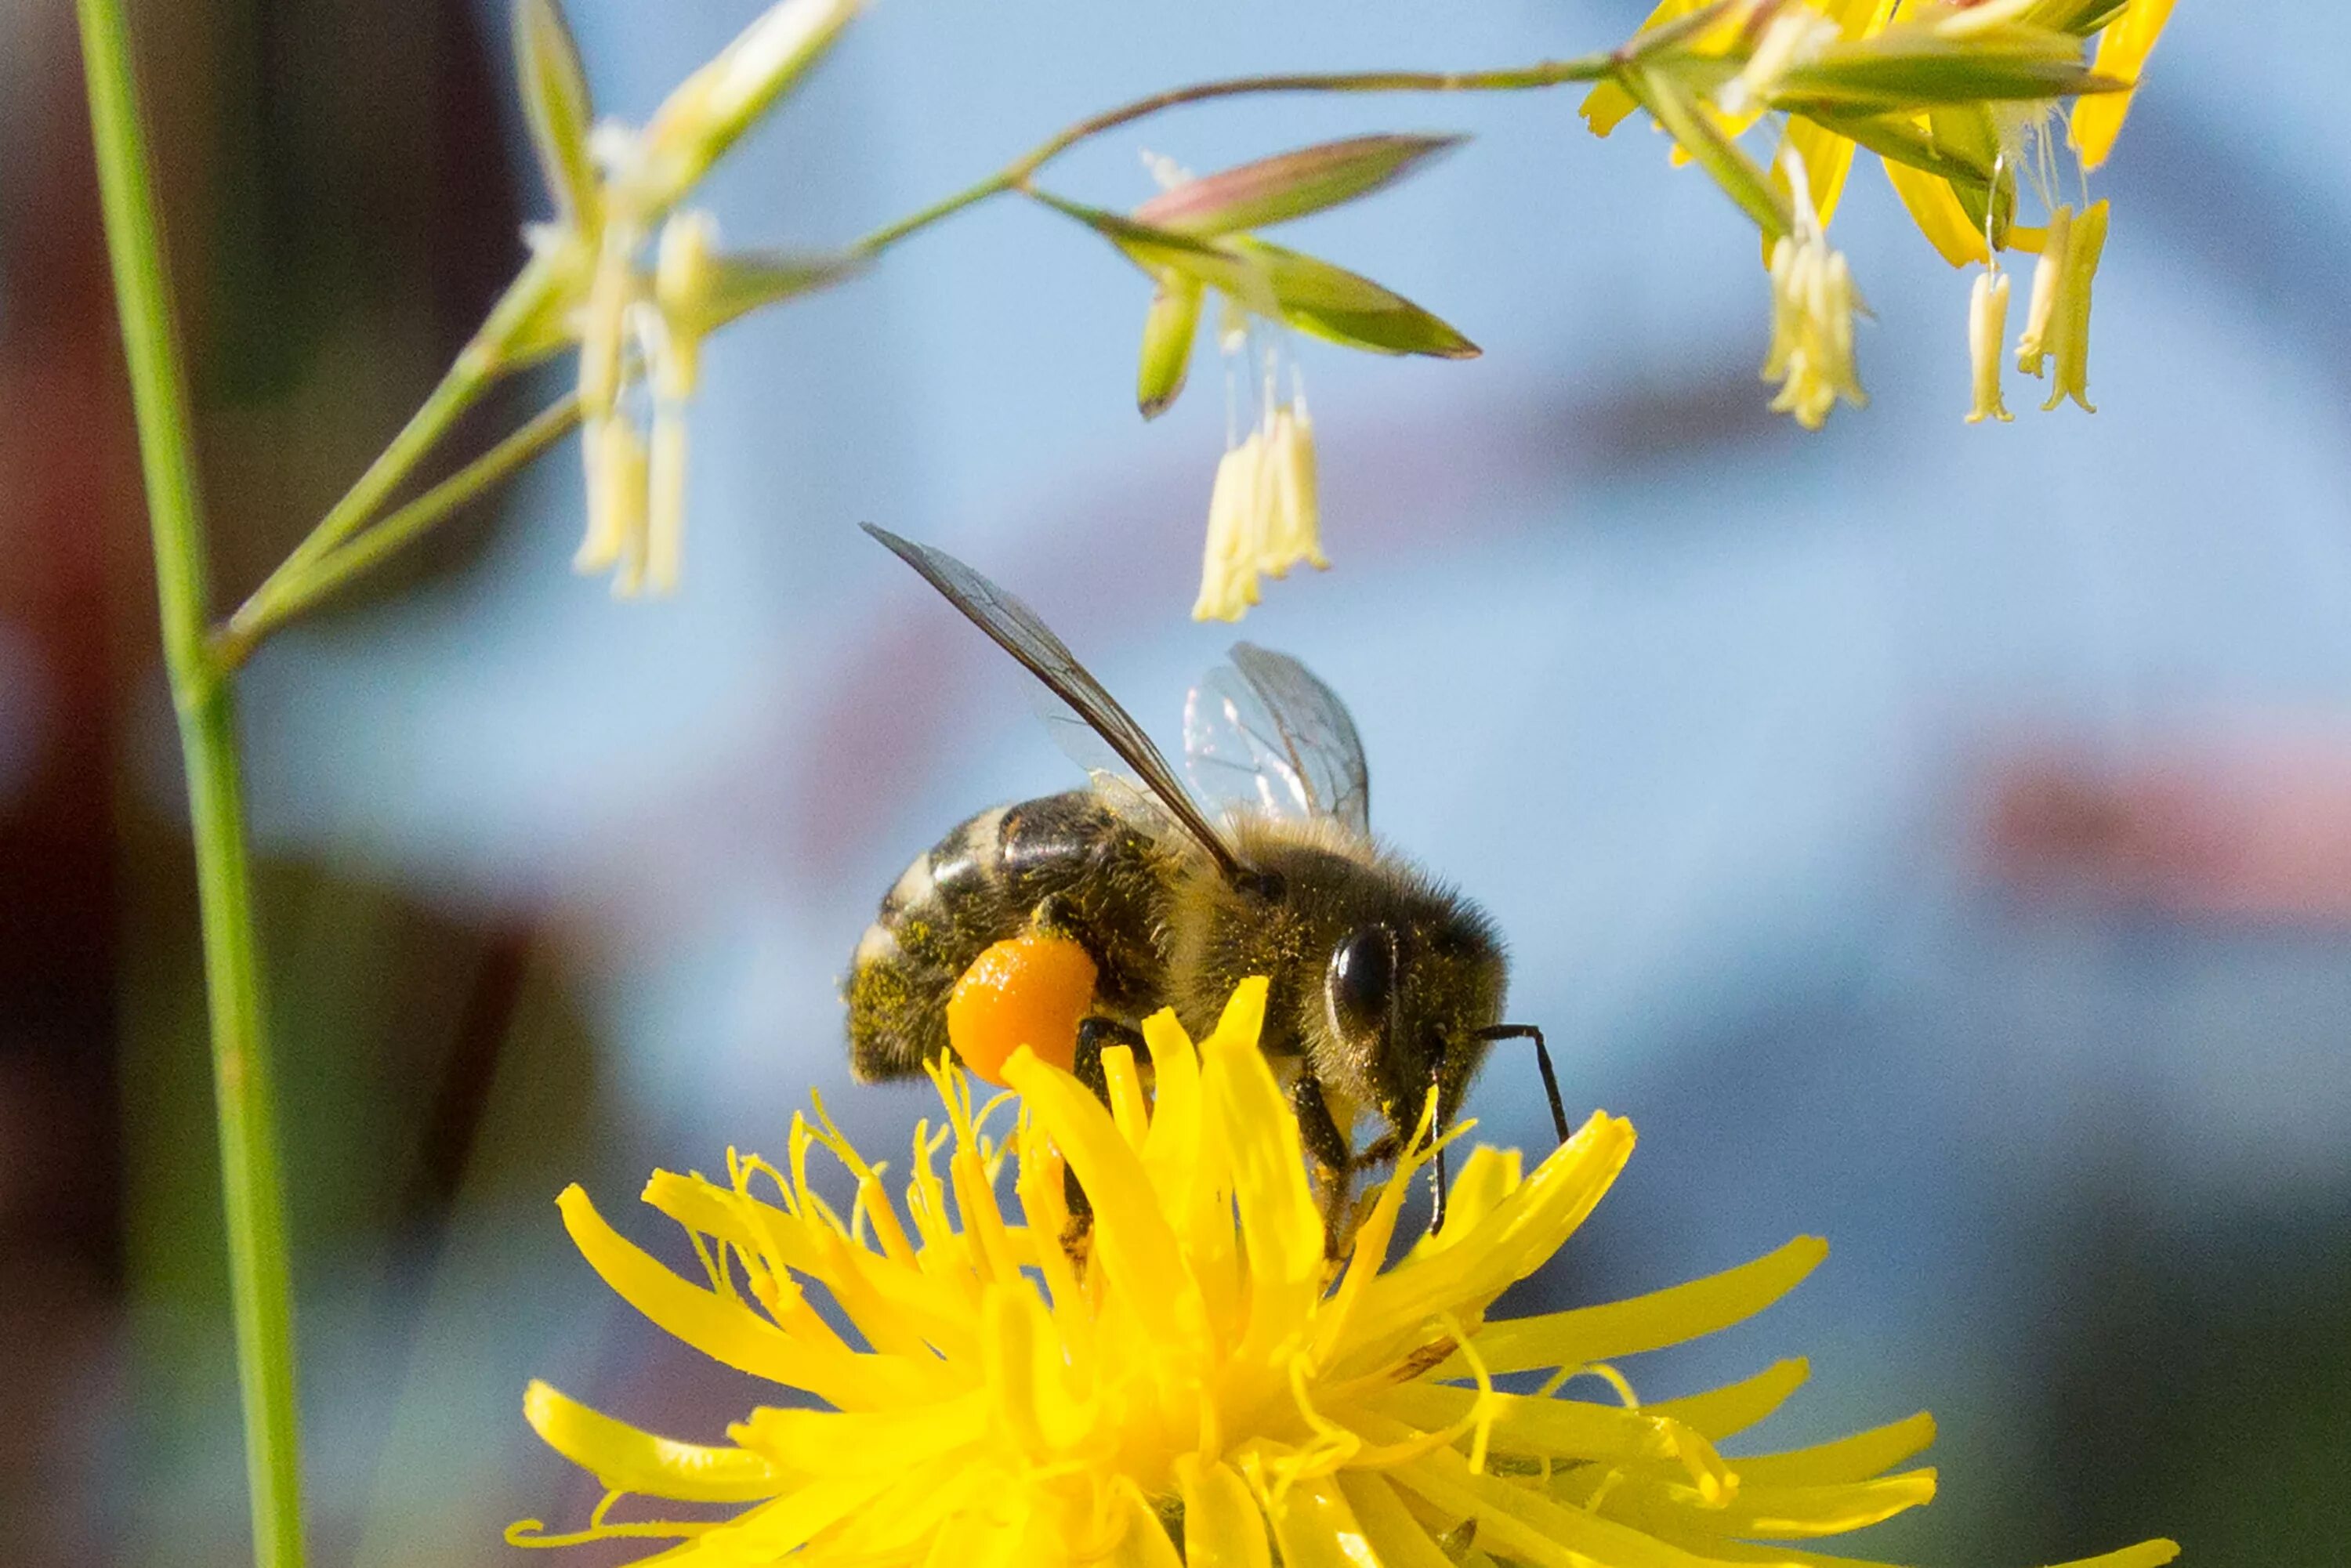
(1927, 198)
(1222, 1526)
(724, 1215)
(1315, 1528)
(1770, 1512)
(1128, 1109)
(1134, 1245)
(1726, 1412)
(1523, 1524)
(1171, 1149)
(725, 1330)
(624, 1458)
(2123, 50)
(1856, 1457)
(787, 1523)
(1604, 107)
(1487, 1177)
(2145, 1554)
(1577, 1429)
(1280, 1226)
(1395, 1536)
(1678, 1312)
(1505, 1246)
(1145, 1544)
(900, 1523)
(1026, 1370)
(839, 1443)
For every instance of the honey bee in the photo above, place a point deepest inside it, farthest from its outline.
(1062, 922)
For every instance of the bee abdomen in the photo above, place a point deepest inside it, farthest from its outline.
(980, 885)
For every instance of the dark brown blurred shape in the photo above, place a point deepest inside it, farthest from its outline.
(340, 209)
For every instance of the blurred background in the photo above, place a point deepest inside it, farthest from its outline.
(1936, 837)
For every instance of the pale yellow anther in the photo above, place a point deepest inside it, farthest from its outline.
(2031, 344)
(1228, 566)
(615, 540)
(2069, 331)
(1812, 306)
(1293, 515)
(1265, 513)
(666, 501)
(603, 321)
(686, 273)
(1987, 343)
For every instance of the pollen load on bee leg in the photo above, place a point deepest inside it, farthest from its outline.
(1032, 990)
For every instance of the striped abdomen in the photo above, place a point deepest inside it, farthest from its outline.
(1092, 877)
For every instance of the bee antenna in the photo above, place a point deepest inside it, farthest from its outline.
(1542, 1060)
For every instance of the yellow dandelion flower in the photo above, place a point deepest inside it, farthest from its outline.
(1206, 1388)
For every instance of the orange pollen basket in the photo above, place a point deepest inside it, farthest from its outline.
(1032, 990)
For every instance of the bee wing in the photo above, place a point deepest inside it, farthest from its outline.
(1114, 780)
(1263, 732)
(1019, 632)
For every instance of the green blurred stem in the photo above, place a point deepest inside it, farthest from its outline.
(252, 1191)
(323, 576)
(479, 364)
(1017, 174)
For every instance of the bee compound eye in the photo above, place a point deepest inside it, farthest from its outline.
(1363, 980)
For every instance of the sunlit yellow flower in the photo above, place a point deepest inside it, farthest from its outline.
(1794, 28)
(1206, 1388)
(1987, 344)
(1265, 511)
(2123, 50)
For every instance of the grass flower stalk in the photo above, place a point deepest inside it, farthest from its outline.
(252, 1189)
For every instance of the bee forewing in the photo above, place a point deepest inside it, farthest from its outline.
(1022, 633)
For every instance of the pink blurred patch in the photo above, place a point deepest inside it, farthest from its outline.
(2247, 820)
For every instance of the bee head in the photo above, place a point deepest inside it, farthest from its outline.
(1406, 1001)
(1381, 979)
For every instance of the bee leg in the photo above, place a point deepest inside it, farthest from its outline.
(1094, 1034)
(1335, 1165)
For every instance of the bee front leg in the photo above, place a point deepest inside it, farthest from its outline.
(1335, 1165)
